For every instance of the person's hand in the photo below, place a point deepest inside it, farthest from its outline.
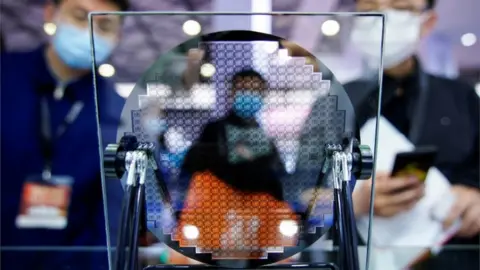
(466, 208)
(296, 50)
(392, 195)
(191, 73)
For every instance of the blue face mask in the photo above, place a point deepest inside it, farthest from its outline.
(72, 45)
(247, 104)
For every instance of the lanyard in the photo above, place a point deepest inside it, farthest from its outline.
(48, 136)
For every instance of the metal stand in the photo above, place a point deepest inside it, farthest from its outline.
(136, 162)
(345, 220)
(341, 162)
(135, 159)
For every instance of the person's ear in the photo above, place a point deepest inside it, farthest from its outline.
(49, 12)
(429, 23)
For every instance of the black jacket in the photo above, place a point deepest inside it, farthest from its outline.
(450, 118)
(210, 152)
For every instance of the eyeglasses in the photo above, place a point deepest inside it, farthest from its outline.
(406, 5)
(102, 24)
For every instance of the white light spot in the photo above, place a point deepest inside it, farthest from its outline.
(190, 232)
(469, 39)
(49, 28)
(124, 89)
(207, 70)
(106, 70)
(330, 28)
(288, 228)
(477, 88)
(191, 27)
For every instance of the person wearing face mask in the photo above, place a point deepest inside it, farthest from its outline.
(428, 110)
(234, 168)
(224, 146)
(51, 194)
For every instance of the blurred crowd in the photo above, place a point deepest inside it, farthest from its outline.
(56, 114)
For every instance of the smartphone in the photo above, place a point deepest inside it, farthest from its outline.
(416, 163)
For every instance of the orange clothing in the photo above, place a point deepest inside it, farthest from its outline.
(233, 224)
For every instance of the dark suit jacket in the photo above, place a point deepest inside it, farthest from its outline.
(210, 153)
(450, 122)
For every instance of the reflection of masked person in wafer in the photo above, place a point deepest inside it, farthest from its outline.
(235, 174)
(235, 148)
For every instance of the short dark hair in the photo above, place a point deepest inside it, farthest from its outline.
(248, 73)
(124, 5)
(431, 4)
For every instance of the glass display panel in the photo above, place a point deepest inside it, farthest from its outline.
(240, 125)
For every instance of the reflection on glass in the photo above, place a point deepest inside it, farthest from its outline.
(240, 148)
(235, 161)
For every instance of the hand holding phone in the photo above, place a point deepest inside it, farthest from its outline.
(414, 164)
(399, 190)
(393, 195)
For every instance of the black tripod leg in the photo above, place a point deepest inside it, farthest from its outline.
(351, 226)
(133, 251)
(129, 232)
(124, 228)
(348, 241)
(339, 232)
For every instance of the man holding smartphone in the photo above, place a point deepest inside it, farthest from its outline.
(450, 120)
(447, 118)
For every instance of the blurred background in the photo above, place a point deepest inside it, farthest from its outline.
(453, 47)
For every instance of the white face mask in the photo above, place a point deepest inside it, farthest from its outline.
(402, 36)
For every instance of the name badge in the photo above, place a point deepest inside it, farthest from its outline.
(44, 204)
